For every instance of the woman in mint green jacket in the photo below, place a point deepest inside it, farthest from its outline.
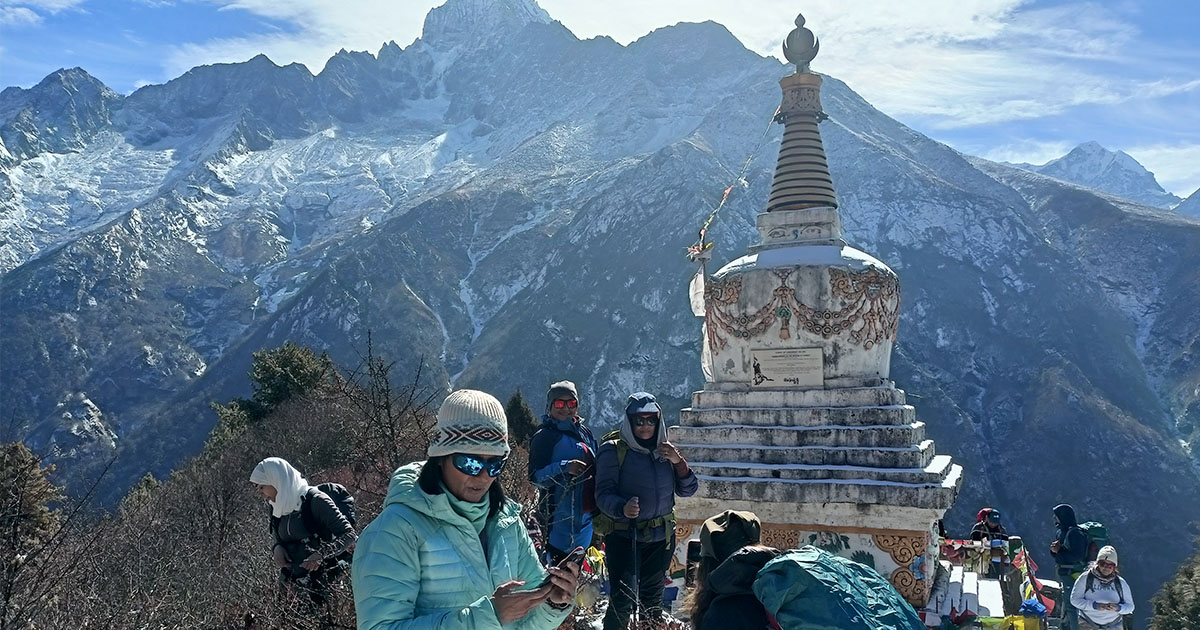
(448, 551)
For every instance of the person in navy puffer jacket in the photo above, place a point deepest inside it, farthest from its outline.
(637, 479)
(562, 456)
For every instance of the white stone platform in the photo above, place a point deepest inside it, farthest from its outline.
(850, 468)
(858, 445)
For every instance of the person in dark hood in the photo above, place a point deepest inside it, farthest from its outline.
(730, 559)
(1069, 550)
(562, 455)
(638, 476)
(987, 526)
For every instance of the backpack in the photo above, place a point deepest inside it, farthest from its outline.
(1126, 620)
(1090, 585)
(603, 524)
(1097, 538)
(812, 589)
(341, 498)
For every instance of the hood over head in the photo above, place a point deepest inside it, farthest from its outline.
(736, 574)
(642, 402)
(290, 486)
(725, 533)
(1064, 516)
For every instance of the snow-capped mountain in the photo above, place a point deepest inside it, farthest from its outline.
(1115, 172)
(1190, 206)
(511, 205)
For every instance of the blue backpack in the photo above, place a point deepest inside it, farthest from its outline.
(812, 589)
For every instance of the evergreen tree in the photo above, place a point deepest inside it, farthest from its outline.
(27, 526)
(277, 375)
(288, 371)
(521, 420)
(1177, 605)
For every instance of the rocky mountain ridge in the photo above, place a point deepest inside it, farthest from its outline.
(511, 205)
(1115, 172)
(1190, 206)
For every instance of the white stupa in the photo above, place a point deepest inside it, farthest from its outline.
(798, 421)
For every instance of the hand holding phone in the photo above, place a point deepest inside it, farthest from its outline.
(575, 557)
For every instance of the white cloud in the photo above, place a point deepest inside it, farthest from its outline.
(30, 12)
(1027, 150)
(955, 63)
(18, 16)
(1175, 166)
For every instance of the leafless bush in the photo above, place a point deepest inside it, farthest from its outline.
(195, 550)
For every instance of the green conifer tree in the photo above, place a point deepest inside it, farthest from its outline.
(28, 524)
(1177, 605)
(522, 422)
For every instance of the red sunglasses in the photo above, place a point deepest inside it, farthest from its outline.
(569, 404)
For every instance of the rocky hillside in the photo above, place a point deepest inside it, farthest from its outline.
(511, 204)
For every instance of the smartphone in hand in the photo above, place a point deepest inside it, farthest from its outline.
(575, 558)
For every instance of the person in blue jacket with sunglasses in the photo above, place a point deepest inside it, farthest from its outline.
(448, 550)
(562, 455)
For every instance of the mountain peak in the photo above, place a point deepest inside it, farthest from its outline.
(460, 21)
(1191, 205)
(1113, 172)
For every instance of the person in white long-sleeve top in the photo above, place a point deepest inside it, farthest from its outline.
(1101, 595)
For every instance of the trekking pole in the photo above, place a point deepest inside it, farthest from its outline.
(637, 578)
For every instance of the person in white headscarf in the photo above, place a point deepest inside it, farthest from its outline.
(312, 536)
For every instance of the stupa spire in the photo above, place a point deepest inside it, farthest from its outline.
(802, 173)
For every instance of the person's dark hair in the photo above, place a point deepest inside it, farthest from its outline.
(702, 595)
(430, 482)
(701, 598)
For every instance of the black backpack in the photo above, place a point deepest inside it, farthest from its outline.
(1090, 585)
(341, 498)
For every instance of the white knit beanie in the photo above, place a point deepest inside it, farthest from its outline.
(470, 421)
(1108, 553)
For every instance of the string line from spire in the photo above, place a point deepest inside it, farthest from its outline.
(699, 251)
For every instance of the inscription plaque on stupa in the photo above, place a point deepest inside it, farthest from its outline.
(788, 367)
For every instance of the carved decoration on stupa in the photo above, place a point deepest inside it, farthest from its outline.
(871, 313)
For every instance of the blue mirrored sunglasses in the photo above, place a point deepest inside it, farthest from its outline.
(472, 465)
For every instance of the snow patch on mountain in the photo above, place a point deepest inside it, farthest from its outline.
(1115, 172)
(1190, 206)
(57, 197)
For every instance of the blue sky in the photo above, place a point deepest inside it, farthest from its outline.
(1015, 80)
